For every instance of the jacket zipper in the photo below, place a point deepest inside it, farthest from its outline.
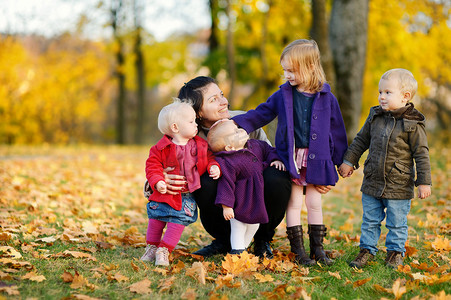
(386, 149)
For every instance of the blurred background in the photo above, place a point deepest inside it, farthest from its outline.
(98, 72)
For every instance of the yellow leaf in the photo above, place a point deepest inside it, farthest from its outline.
(189, 294)
(165, 284)
(141, 287)
(398, 290)
(7, 251)
(336, 274)
(34, 277)
(263, 278)
(197, 271)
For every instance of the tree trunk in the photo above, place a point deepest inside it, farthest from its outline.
(230, 53)
(213, 39)
(119, 73)
(348, 38)
(320, 33)
(140, 76)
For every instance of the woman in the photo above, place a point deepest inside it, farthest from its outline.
(210, 106)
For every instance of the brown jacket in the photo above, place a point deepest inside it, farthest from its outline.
(394, 139)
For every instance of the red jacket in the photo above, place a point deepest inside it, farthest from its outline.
(163, 155)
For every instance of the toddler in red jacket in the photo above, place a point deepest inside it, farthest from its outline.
(181, 152)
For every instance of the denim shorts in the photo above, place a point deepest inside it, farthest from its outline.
(164, 212)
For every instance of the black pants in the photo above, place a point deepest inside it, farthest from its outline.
(277, 194)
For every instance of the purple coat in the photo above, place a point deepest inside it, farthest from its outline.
(241, 183)
(328, 141)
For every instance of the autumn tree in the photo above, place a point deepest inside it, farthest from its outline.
(116, 20)
(140, 71)
(348, 40)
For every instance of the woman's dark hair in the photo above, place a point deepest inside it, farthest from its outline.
(193, 91)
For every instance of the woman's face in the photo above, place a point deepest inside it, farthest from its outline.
(214, 106)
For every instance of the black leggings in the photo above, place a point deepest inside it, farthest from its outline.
(277, 194)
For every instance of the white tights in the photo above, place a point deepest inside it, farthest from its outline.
(241, 234)
(312, 201)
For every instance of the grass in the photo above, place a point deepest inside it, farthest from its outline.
(89, 199)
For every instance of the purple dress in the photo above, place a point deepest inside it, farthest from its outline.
(241, 183)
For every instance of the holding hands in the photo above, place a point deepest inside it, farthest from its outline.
(345, 170)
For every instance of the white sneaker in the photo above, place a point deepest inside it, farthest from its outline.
(162, 256)
(149, 255)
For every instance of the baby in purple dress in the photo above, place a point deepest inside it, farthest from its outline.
(240, 187)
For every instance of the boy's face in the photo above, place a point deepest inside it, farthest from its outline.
(390, 95)
(187, 123)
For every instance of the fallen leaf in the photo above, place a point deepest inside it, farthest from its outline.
(197, 271)
(7, 251)
(67, 277)
(10, 290)
(141, 287)
(34, 277)
(398, 290)
(189, 294)
(336, 274)
(361, 282)
(165, 284)
(263, 278)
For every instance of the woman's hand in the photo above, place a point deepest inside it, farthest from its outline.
(228, 213)
(279, 165)
(174, 183)
(215, 172)
(323, 189)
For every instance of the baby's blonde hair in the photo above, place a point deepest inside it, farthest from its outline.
(215, 137)
(305, 59)
(406, 81)
(170, 114)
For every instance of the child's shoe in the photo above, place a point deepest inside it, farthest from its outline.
(362, 258)
(162, 256)
(149, 255)
(394, 259)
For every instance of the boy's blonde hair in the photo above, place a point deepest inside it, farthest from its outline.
(170, 114)
(305, 59)
(406, 81)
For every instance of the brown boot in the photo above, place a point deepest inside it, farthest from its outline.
(394, 259)
(362, 258)
(316, 234)
(295, 235)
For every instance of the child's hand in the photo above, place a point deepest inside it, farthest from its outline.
(322, 189)
(345, 170)
(228, 212)
(424, 191)
(215, 172)
(279, 165)
(161, 187)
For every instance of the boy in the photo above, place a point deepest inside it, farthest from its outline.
(394, 132)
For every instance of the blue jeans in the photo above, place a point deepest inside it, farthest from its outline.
(374, 212)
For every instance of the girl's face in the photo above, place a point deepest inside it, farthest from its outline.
(214, 106)
(290, 73)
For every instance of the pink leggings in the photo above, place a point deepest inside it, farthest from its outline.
(171, 236)
(312, 201)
